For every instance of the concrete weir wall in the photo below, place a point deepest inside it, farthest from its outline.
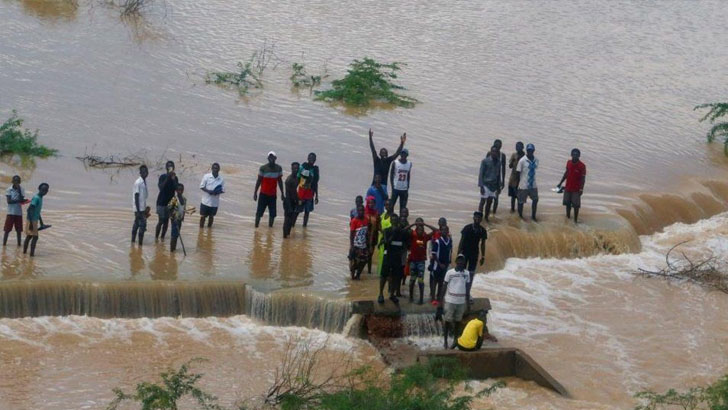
(375, 321)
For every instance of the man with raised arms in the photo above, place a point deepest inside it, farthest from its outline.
(382, 162)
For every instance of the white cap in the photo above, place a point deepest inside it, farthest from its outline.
(272, 153)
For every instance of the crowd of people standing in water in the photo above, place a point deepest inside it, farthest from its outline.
(401, 249)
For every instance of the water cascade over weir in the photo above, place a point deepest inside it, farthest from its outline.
(33, 298)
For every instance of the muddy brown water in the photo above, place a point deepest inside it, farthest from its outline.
(617, 80)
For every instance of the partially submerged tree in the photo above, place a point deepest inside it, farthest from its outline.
(716, 110)
(368, 81)
(713, 397)
(15, 139)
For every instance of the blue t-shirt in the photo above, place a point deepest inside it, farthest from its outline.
(379, 197)
(37, 204)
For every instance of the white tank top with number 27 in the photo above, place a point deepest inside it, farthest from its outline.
(401, 174)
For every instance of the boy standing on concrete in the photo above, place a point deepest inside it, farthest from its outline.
(456, 281)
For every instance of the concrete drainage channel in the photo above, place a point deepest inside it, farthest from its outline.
(384, 325)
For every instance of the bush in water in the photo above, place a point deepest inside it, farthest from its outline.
(367, 81)
(14, 139)
(175, 385)
(717, 110)
(713, 397)
(242, 80)
(300, 78)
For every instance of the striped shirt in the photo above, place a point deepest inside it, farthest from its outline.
(270, 174)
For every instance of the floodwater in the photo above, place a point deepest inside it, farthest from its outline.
(616, 79)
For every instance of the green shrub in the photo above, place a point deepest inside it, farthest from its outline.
(242, 80)
(300, 78)
(713, 397)
(14, 139)
(175, 385)
(717, 110)
(416, 387)
(368, 81)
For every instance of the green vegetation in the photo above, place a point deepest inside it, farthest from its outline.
(713, 397)
(242, 80)
(175, 385)
(423, 386)
(300, 78)
(416, 387)
(717, 110)
(250, 72)
(368, 81)
(14, 139)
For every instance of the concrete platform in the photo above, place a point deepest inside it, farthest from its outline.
(369, 307)
(490, 362)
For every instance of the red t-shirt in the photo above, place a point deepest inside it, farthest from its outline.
(574, 174)
(418, 246)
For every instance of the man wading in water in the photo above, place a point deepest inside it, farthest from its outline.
(291, 204)
(527, 187)
(513, 180)
(269, 175)
(308, 179)
(139, 195)
(575, 176)
(16, 198)
(383, 162)
(489, 180)
(176, 208)
(472, 236)
(167, 185)
(35, 221)
(212, 186)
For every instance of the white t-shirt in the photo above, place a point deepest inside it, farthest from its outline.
(401, 175)
(524, 166)
(140, 187)
(456, 286)
(15, 209)
(210, 182)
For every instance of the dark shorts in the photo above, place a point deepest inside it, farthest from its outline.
(13, 221)
(523, 194)
(465, 349)
(306, 205)
(208, 210)
(162, 212)
(512, 191)
(572, 199)
(266, 201)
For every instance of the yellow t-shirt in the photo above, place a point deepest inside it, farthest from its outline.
(472, 331)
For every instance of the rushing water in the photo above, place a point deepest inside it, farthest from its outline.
(616, 79)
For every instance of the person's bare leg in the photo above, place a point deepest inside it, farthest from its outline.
(534, 205)
(33, 242)
(5, 238)
(18, 235)
(173, 244)
(520, 210)
(141, 238)
(209, 221)
(488, 204)
(495, 204)
(257, 220)
(270, 220)
(165, 225)
(411, 288)
(445, 332)
(202, 222)
(568, 211)
(481, 205)
(513, 204)
(576, 214)
(26, 243)
(158, 229)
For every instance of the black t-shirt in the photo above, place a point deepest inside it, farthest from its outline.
(472, 234)
(397, 244)
(381, 167)
(167, 187)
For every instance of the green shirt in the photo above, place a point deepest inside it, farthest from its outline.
(36, 204)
